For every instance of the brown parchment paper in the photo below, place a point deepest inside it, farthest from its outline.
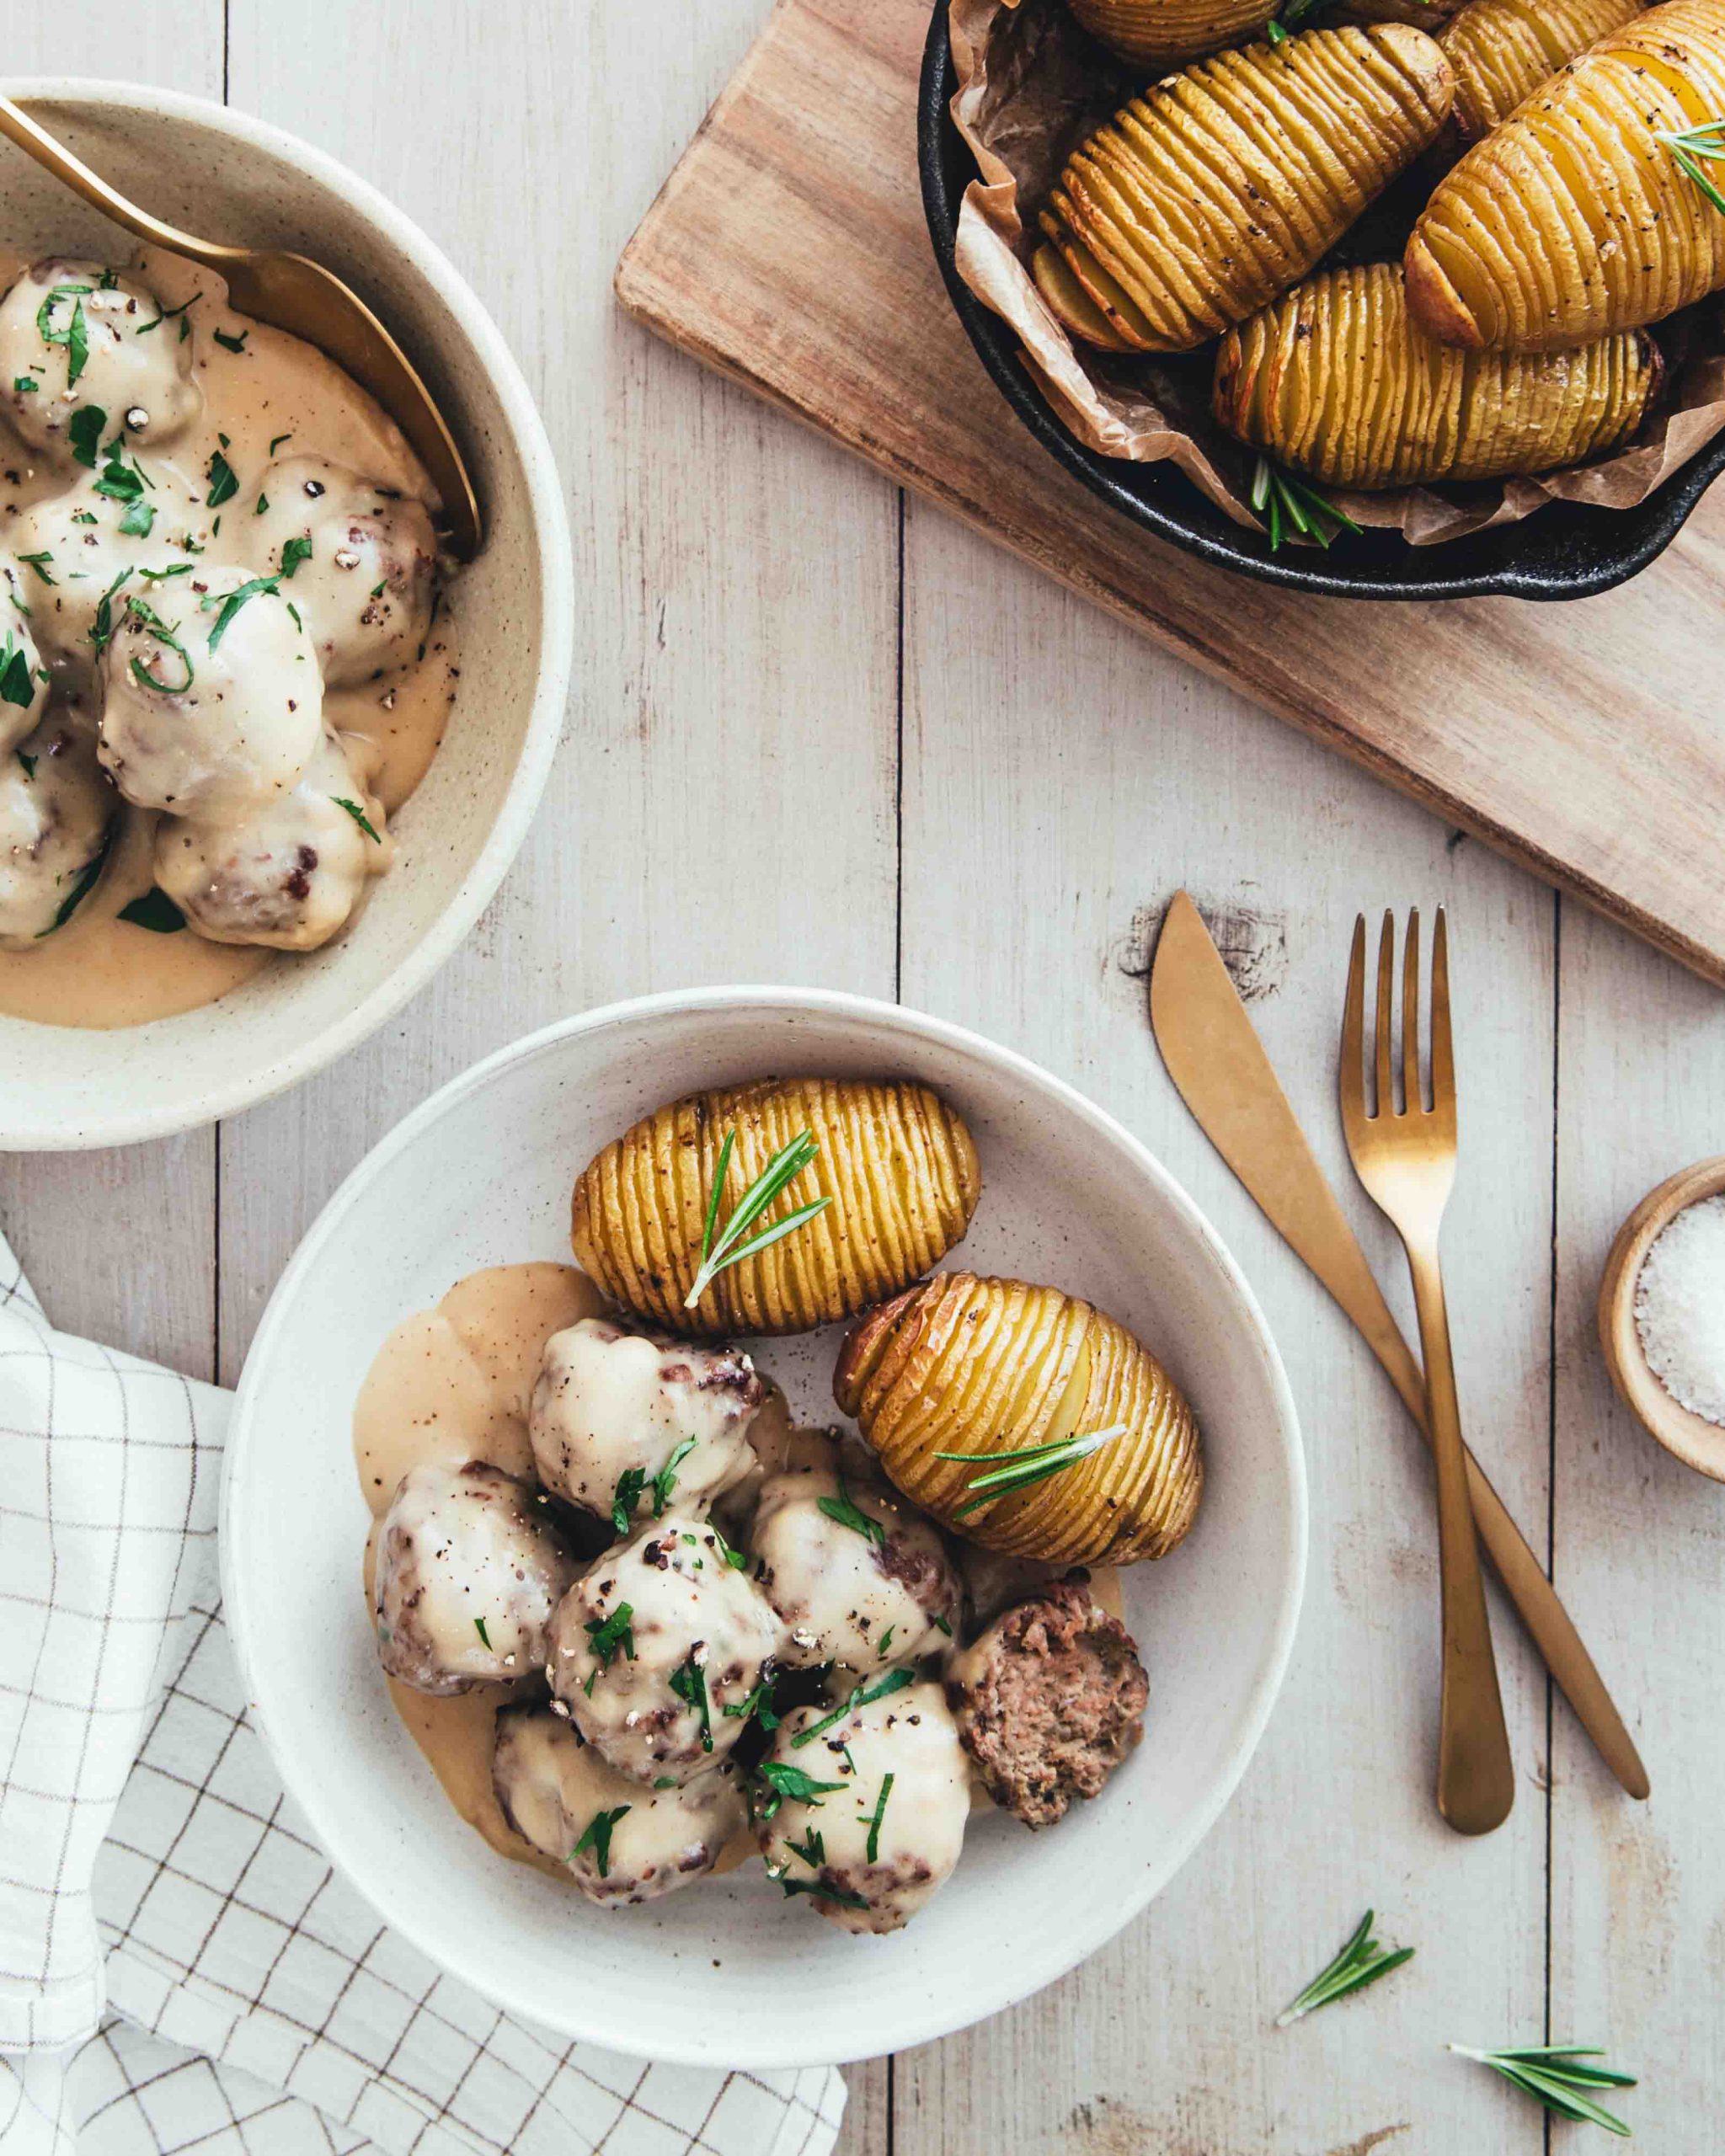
(1030, 85)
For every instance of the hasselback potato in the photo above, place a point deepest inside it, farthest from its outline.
(965, 1365)
(1161, 33)
(1223, 185)
(1573, 219)
(898, 1164)
(1503, 49)
(1425, 14)
(1335, 380)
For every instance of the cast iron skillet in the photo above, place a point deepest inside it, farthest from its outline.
(1565, 551)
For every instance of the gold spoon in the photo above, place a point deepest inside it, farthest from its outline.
(290, 292)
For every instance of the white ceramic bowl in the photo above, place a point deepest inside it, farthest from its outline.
(218, 173)
(729, 1973)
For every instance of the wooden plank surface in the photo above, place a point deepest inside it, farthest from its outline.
(789, 756)
(789, 249)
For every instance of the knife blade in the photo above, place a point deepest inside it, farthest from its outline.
(1221, 1070)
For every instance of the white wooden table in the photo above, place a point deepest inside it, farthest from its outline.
(785, 761)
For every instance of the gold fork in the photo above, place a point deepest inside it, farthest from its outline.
(1406, 1161)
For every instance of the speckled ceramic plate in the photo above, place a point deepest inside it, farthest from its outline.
(729, 1973)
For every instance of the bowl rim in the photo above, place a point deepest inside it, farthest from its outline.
(1242, 551)
(996, 1990)
(549, 519)
(1686, 1435)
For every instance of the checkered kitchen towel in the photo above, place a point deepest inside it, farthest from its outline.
(178, 1966)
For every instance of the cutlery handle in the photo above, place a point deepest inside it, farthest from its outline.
(35, 141)
(1475, 1773)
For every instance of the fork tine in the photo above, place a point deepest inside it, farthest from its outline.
(1353, 1028)
(1386, 997)
(1443, 1050)
(1413, 1096)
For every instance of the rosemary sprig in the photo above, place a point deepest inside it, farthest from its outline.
(1017, 1471)
(1292, 506)
(1558, 2076)
(1689, 147)
(720, 1247)
(1360, 1962)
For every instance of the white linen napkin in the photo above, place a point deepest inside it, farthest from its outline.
(179, 1967)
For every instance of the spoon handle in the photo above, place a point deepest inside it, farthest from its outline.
(35, 141)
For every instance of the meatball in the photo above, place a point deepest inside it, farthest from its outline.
(75, 335)
(884, 1800)
(1049, 1700)
(657, 1653)
(360, 562)
(620, 1419)
(287, 873)
(469, 1571)
(56, 813)
(857, 1575)
(71, 566)
(622, 1841)
(218, 708)
(23, 686)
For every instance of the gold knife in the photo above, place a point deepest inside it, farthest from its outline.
(1219, 1068)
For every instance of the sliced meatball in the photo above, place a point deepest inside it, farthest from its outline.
(287, 873)
(866, 1816)
(23, 686)
(211, 701)
(359, 563)
(76, 335)
(658, 1651)
(56, 810)
(469, 1570)
(857, 1575)
(624, 1841)
(623, 1419)
(1049, 1700)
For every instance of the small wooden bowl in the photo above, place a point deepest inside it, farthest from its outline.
(1694, 1440)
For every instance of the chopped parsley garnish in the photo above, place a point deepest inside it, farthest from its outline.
(119, 481)
(223, 485)
(102, 628)
(80, 890)
(83, 516)
(630, 1484)
(666, 1781)
(160, 576)
(850, 1514)
(735, 1558)
(841, 1896)
(168, 314)
(156, 912)
(688, 1680)
(277, 441)
(293, 553)
(231, 343)
(24, 387)
(40, 562)
(17, 683)
(941, 1625)
(359, 816)
(84, 432)
(666, 1479)
(597, 1838)
(813, 1851)
(29, 763)
(885, 1640)
(231, 606)
(479, 1627)
(138, 518)
(147, 618)
(380, 588)
(793, 1783)
(895, 1681)
(759, 1702)
(262, 504)
(73, 332)
(611, 1635)
(877, 1815)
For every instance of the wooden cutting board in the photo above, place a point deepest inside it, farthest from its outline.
(1587, 741)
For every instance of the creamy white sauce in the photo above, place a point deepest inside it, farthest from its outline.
(274, 399)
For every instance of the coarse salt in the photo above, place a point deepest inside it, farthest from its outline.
(1680, 1308)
